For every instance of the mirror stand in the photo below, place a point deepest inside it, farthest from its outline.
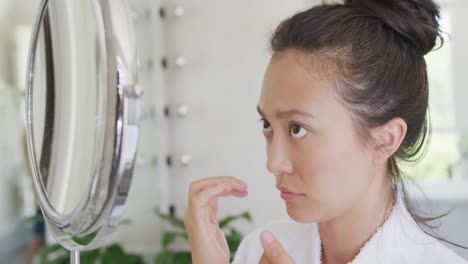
(74, 257)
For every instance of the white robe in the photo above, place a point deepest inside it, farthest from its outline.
(398, 240)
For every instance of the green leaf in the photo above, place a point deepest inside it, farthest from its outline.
(61, 260)
(173, 257)
(165, 257)
(233, 239)
(115, 250)
(226, 221)
(174, 221)
(134, 259)
(183, 257)
(169, 237)
(89, 256)
(116, 254)
(84, 240)
(33, 219)
(113, 254)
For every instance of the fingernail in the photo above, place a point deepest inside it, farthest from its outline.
(267, 237)
(241, 185)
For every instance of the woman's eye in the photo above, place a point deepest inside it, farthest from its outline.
(298, 131)
(266, 125)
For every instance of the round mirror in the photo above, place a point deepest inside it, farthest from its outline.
(82, 116)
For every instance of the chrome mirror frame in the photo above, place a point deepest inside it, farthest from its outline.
(99, 211)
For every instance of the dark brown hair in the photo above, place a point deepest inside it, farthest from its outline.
(377, 48)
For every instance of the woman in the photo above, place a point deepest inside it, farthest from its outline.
(344, 96)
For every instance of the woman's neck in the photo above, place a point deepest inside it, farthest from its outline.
(344, 236)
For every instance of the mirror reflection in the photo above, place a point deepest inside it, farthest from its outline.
(67, 101)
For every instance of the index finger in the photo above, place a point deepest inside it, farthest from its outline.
(199, 185)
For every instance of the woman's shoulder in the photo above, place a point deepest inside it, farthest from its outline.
(401, 247)
(402, 240)
(440, 253)
(293, 236)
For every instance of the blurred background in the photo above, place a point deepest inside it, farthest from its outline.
(201, 66)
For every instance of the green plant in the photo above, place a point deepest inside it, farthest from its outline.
(55, 254)
(169, 256)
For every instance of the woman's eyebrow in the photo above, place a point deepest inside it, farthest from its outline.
(288, 113)
(260, 112)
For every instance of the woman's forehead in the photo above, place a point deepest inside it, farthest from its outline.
(288, 82)
(290, 86)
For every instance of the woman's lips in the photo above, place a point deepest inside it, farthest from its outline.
(289, 195)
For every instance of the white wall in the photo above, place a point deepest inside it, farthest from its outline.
(12, 172)
(12, 13)
(459, 10)
(5, 28)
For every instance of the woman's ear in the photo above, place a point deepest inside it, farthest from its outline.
(388, 137)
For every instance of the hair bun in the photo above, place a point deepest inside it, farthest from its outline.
(415, 20)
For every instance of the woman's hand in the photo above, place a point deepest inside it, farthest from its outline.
(273, 251)
(207, 241)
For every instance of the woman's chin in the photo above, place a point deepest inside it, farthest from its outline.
(302, 215)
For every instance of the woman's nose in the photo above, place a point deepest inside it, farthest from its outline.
(278, 161)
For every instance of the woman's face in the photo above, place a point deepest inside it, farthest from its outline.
(314, 151)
